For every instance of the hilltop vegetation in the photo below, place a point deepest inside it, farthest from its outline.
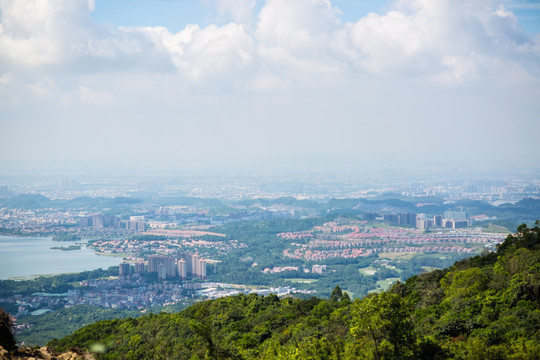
(486, 307)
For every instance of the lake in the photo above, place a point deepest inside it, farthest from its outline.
(30, 256)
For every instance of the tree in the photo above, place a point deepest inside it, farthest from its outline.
(336, 294)
(339, 295)
(524, 237)
(384, 320)
(7, 340)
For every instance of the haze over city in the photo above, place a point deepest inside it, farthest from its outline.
(233, 82)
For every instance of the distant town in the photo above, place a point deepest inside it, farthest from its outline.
(177, 243)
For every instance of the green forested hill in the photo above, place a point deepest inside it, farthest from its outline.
(486, 307)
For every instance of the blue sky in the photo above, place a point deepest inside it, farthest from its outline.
(223, 82)
(176, 14)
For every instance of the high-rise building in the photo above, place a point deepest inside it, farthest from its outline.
(407, 219)
(437, 220)
(182, 271)
(135, 225)
(123, 269)
(201, 269)
(170, 265)
(154, 262)
(85, 221)
(139, 267)
(99, 221)
(457, 224)
(162, 271)
(370, 216)
(189, 264)
(423, 223)
(194, 263)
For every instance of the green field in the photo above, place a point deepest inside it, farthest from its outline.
(497, 229)
(386, 283)
(397, 255)
(302, 281)
(368, 271)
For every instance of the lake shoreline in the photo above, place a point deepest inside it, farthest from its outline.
(29, 257)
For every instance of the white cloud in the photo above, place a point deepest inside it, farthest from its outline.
(457, 69)
(36, 32)
(198, 53)
(502, 26)
(295, 40)
(240, 11)
(60, 33)
(414, 38)
(300, 24)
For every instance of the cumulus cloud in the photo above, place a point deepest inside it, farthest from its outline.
(198, 52)
(240, 11)
(296, 24)
(415, 37)
(38, 33)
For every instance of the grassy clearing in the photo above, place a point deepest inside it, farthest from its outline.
(368, 271)
(303, 281)
(386, 283)
(397, 255)
(497, 229)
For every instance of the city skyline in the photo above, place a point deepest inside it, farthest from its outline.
(244, 83)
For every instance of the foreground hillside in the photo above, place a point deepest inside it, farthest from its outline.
(486, 307)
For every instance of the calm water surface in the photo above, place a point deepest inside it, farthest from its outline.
(28, 256)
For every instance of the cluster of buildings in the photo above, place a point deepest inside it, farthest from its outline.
(398, 219)
(217, 290)
(355, 241)
(134, 292)
(125, 292)
(28, 221)
(303, 253)
(318, 269)
(168, 267)
(450, 220)
(278, 269)
(135, 223)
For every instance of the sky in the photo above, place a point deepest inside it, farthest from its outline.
(298, 83)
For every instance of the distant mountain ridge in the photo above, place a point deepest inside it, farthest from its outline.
(519, 211)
